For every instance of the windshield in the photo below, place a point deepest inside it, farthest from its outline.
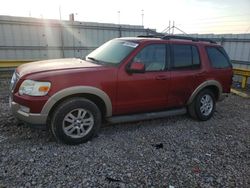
(112, 52)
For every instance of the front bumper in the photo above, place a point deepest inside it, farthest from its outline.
(29, 118)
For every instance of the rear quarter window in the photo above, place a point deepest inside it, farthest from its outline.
(218, 57)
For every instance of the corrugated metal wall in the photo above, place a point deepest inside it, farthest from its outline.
(35, 39)
(236, 45)
(30, 39)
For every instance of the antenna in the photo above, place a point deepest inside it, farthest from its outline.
(181, 30)
(173, 28)
(169, 26)
(166, 30)
(170, 29)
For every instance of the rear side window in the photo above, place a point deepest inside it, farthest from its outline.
(218, 57)
(185, 56)
(196, 57)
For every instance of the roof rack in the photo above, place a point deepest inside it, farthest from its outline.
(151, 36)
(168, 37)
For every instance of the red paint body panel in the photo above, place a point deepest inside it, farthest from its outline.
(129, 93)
(34, 103)
(141, 92)
(62, 79)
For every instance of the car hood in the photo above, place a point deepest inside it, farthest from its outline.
(55, 64)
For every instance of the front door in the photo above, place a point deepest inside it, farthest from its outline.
(141, 92)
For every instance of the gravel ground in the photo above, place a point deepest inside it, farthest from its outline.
(170, 152)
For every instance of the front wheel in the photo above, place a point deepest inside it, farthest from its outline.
(76, 121)
(203, 106)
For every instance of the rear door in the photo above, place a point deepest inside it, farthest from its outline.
(185, 71)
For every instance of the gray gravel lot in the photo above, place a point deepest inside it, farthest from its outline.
(176, 151)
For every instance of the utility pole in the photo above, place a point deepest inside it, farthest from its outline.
(60, 14)
(119, 15)
(142, 16)
(61, 32)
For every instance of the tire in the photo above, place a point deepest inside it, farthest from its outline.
(203, 106)
(75, 121)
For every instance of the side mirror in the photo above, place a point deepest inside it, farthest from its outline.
(136, 67)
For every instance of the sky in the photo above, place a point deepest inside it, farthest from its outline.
(190, 16)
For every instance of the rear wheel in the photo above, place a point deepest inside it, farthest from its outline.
(76, 121)
(203, 106)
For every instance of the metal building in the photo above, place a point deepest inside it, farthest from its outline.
(236, 45)
(28, 39)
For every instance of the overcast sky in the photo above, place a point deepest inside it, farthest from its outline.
(191, 16)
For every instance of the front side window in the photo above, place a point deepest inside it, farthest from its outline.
(218, 57)
(112, 52)
(153, 57)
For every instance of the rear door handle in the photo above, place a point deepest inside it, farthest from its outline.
(200, 74)
(161, 77)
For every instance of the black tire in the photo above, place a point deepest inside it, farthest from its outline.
(62, 120)
(195, 110)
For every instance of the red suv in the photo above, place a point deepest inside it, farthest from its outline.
(125, 79)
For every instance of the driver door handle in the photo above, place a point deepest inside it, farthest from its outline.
(161, 77)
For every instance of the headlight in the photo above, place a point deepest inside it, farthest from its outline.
(34, 88)
(14, 79)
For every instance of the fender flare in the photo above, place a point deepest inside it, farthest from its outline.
(202, 86)
(78, 90)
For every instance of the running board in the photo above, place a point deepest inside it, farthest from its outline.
(146, 116)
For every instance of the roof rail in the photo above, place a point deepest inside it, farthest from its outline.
(167, 37)
(151, 36)
(206, 40)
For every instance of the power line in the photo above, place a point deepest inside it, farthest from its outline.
(247, 29)
(218, 17)
(222, 21)
(212, 29)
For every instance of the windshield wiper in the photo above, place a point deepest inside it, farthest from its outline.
(97, 61)
(93, 59)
